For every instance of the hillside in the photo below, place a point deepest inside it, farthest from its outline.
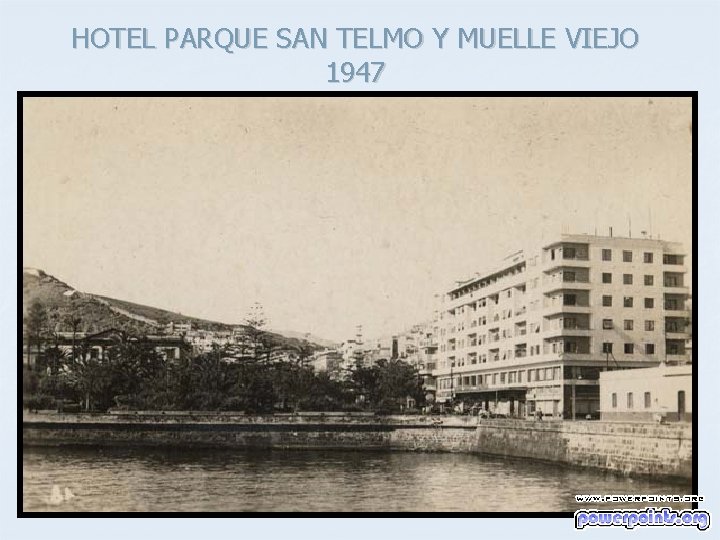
(97, 313)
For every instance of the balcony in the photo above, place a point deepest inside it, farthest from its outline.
(676, 289)
(681, 336)
(564, 308)
(577, 262)
(678, 358)
(572, 356)
(676, 312)
(577, 285)
(566, 332)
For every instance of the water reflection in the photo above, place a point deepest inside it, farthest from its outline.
(140, 479)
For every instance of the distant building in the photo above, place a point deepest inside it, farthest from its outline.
(329, 362)
(178, 328)
(646, 395)
(535, 331)
(98, 345)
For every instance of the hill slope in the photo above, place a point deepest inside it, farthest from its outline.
(98, 313)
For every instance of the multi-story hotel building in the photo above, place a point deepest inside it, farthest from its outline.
(534, 333)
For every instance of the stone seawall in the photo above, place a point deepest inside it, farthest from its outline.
(307, 431)
(626, 448)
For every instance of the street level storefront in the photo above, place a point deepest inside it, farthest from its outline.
(508, 401)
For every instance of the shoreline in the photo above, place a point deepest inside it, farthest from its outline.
(629, 449)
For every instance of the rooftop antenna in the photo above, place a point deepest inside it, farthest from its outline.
(595, 221)
(650, 220)
(629, 227)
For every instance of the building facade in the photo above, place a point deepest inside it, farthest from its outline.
(662, 393)
(534, 333)
(328, 361)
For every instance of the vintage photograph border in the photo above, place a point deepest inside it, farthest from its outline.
(22, 95)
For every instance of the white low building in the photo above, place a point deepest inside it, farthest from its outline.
(647, 395)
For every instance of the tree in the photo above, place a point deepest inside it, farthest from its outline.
(86, 375)
(34, 327)
(387, 383)
(257, 334)
(135, 371)
(398, 380)
(365, 382)
(74, 322)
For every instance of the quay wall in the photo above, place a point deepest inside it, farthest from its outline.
(626, 448)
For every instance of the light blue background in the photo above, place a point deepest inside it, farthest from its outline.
(678, 50)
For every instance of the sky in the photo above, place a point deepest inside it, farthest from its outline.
(334, 212)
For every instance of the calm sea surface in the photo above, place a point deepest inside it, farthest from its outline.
(141, 479)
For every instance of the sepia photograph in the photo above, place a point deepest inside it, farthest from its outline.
(357, 304)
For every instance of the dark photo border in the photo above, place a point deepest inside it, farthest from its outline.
(23, 95)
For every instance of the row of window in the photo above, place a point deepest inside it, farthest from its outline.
(628, 301)
(630, 400)
(627, 256)
(628, 324)
(629, 348)
(505, 377)
(520, 351)
(648, 279)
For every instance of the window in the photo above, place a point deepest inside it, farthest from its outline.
(607, 324)
(627, 279)
(649, 348)
(607, 300)
(628, 301)
(569, 299)
(607, 254)
(628, 324)
(627, 256)
(650, 326)
(649, 280)
(614, 400)
(649, 303)
(607, 348)
(607, 277)
(568, 275)
(629, 348)
(648, 257)
(648, 399)
(568, 253)
(629, 400)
